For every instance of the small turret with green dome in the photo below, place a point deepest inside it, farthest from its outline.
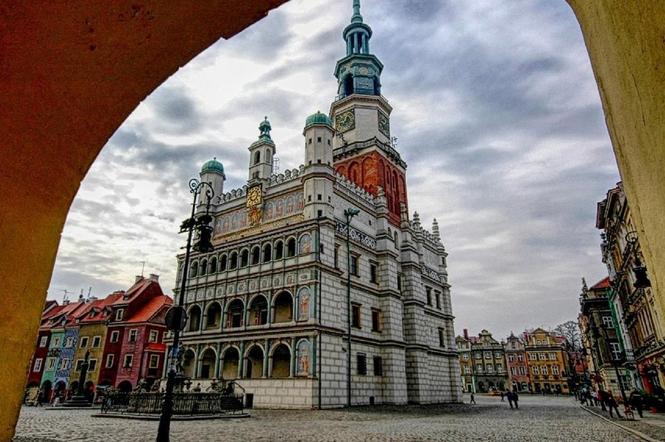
(261, 153)
(212, 166)
(264, 133)
(318, 118)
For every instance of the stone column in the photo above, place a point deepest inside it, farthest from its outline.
(266, 350)
(292, 365)
(241, 359)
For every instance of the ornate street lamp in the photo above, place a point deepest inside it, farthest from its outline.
(349, 214)
(176, 317)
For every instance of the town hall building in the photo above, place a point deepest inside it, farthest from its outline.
(269, 307)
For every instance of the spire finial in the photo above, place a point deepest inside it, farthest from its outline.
(356, 18)
(265, 128)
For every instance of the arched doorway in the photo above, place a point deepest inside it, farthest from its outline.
(254, 363)
(208, 364)
(281, 362)
(189, 363)
(125, 387)
(230, 361)
(283, 308)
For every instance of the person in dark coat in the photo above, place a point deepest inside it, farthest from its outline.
(473, 399)
(515, 399)
(612, 404)
(636, 400)
(509, 396)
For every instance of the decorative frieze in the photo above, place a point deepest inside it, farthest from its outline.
(356, 235)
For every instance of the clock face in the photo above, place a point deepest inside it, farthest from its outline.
(254, 196)
(345, 121)
(384, 124)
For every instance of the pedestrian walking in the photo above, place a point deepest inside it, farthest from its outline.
(516, 399)
(509, 395)
(602, 398)
(473, 399)
(636, 401)
(502, 395)
(612, 404)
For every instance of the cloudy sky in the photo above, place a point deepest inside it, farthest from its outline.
(497, 115)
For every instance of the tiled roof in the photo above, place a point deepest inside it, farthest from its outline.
(602, 284)
(150, 309)
(100, 306)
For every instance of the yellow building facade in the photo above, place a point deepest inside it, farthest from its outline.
(547, 362)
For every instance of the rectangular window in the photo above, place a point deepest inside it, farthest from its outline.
(154, 335)
(399, 281)
(513, 371)
(38, 365)
(42, 341)
(437, 297)
(110, 359)
(372, 273)
(132, 335)
(128, 361)
(442, 338)
(488, 355)
(511, 358)
(84, 342)
(64, 364)
(79, 364)
(355, 315)
(607, 322)
(354, 265)
(56, 342)
(479, 368)
(336, 256)
(535, 370)
(544, 369)
(499, 367)
(154, 361)
(523, 370)
(50, 363)
(114, 336)
(376, 320)
(555, 369)
(428, 294)
(533, 357)
(119, 314)
(552, 356)
(96, 341)
(69, 342)
(478, 355)
(378, 366)
(615, 348)
(489, 368)
(92, 364)
(520, 357)
(542, 356)
(361, 364)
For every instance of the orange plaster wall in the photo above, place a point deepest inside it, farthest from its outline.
(70, 73)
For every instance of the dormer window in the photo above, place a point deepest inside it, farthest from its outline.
(119, 314)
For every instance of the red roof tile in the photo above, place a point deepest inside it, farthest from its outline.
(603, 284)
(150, 309)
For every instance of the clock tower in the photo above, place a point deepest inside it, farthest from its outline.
(363, 149)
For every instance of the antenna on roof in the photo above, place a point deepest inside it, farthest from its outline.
(89, 290)
(142, 268)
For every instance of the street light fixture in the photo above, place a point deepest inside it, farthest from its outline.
(176, 317)
(640, 271)
(349, 214)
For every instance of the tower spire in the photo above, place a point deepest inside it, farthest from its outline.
(356, 18)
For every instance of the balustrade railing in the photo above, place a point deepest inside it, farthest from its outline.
(183, 403)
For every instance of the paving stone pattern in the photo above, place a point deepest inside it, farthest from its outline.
(538, 419)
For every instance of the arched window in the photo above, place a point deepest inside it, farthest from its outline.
(213, 316)
(281, 362)
(256, 255)
(283, 308)
(244, 258)
(267, 252)
(257, 157)
(213, 265)
(291, 247)
(194, 318)
(208, 360)
(234, 314)
(303, 358)
(204, 267)
(234, 261)
(254, 363)
(268, 153)
(279, 250)
(258, 311)
(305, 244)
(194, 270)
(222, 263)
(230, 360)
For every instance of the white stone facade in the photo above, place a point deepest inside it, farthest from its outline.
(268, 308)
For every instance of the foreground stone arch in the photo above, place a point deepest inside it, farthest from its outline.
(69, 96)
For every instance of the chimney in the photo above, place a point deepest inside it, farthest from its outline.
(154, 277)
(466, 333)
(138, 278)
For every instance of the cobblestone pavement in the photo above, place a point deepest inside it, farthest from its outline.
(653, 425)
(538, 419)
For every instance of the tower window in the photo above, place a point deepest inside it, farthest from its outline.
(319, 197)
(257, 157)
(310, 141)
(318, 139)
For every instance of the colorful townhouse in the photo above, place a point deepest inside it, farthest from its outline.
(547, 362)
(516, 363)
(134, 350)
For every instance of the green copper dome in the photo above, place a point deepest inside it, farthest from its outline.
(318, 118)
(213, 166)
